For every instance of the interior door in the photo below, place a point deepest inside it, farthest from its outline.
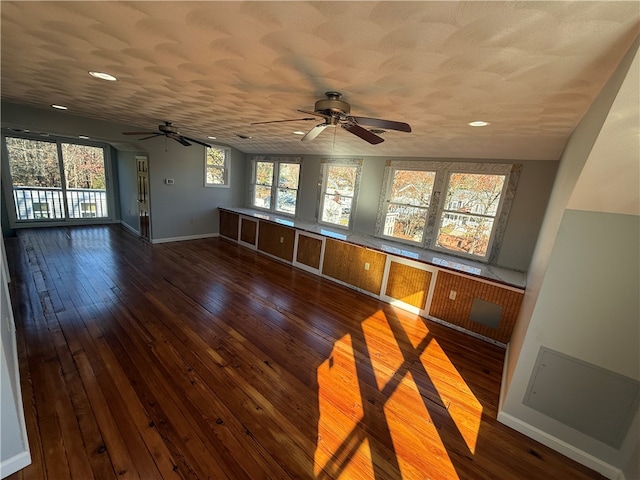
(143, 198)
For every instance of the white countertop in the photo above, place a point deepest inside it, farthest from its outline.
(442, 260)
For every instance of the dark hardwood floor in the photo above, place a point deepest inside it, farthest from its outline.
(202, 359)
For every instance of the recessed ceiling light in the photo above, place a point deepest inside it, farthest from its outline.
(59, 107)
(478, 123)
(298, 132)
(244, 137)
(103, 76)
(211, 138)
(84, 137)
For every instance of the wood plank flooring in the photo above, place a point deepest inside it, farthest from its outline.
(205, 360)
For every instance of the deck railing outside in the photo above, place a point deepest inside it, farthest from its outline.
(38, 203)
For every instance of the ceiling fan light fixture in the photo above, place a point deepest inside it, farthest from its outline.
(478, 123)
(103, 76)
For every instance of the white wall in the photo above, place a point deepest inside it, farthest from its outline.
(583, 283)
(14, 447)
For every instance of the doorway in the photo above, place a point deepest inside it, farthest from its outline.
(142, 165)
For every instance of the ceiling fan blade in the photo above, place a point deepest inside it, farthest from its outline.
(179, 138)
(196, 141)
(151, 136)
(328, 117)
(314, 132)
(380, 123)
(280, 121)
(138, 133)
(363, 133)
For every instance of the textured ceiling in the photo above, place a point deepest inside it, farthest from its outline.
(532, 69)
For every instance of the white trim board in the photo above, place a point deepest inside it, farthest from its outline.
(560, 446)
(181, 239)
(15, 463)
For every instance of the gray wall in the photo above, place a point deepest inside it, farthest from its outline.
(524, 222)
(183, 210)
(583, 284)
(188, 208)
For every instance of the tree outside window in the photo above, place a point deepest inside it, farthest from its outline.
(469, 212)
(216, 166)
(408, 204)
(454, 206)
(339, 190)
(275, 184)
(55, 180)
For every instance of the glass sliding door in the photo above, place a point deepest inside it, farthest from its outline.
(85, 181)
(52, 180)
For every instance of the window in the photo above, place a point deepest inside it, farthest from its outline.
(469, 212)
(465, 220)
(340, 182)
(216, 166)
(275, 184)
(55, 180)
(408, 204)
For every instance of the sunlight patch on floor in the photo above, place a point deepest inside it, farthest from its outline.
(416, 440)
(463, 406)
(385, 359)
(340, 409)
(421, 396)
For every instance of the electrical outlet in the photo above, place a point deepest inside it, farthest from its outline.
(366, 266)
(452, 295)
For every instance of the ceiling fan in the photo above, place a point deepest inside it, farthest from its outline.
(336, 112)
(168, 130)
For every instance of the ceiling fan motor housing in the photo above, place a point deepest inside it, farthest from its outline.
(333, 104)
(168, 128)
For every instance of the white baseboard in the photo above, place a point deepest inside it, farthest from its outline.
(182, 239)
(130, 228)
(558, 445)
(15, 463)
(468, 332)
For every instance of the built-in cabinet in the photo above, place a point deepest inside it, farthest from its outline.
(475, 305)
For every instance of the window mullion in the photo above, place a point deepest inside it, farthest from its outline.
(63, 180)
(436, 205)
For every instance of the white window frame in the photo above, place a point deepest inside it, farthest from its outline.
(324, 172)
(276, 161)
(386, 201)
(226, 173)
(443, 171)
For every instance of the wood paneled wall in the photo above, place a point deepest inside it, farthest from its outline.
(457, 311)
(269, 236)
(408, 284)
(248, 231)
(346, 262)
(229, 224)
(309, 251)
